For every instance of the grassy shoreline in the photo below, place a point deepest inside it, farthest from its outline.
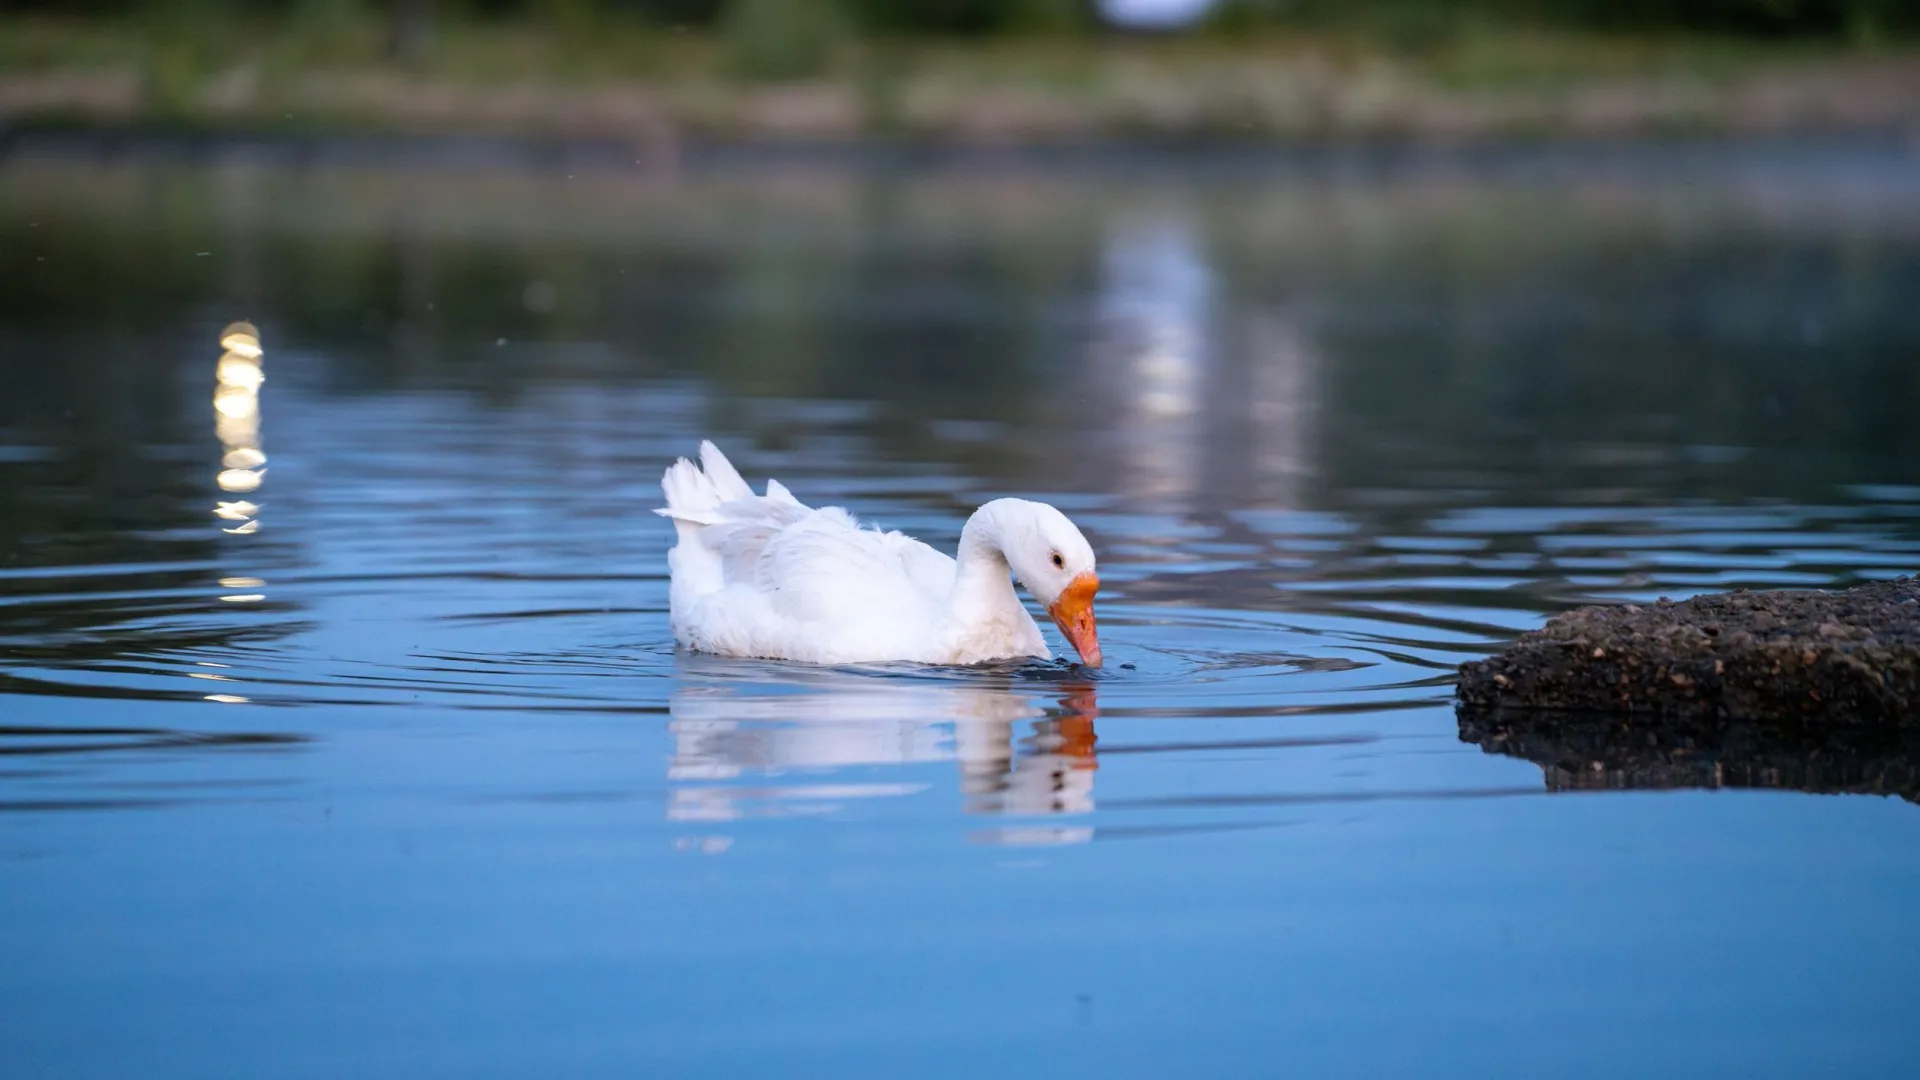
(656, 88)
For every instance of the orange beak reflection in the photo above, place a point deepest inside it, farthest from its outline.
(1073, 613)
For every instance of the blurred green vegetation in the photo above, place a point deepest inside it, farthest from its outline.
(1427, 21)
(982, 69)
(1411, 21)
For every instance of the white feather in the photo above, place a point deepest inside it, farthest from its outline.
(768, 576)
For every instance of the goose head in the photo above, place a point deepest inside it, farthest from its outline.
(1054, 562)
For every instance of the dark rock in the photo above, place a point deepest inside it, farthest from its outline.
(1849, 656)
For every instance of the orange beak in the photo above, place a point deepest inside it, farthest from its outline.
(1073, 613)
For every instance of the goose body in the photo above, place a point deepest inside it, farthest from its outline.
(768, 576)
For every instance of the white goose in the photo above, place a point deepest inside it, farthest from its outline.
(766, 576)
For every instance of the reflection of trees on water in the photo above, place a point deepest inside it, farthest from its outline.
(1599, 752)
(739, 750)
(1229, 380)
(88, 460)
(1540, 339)
(1385, 348)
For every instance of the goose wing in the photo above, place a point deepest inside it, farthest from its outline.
(826, 568)
(807, 564)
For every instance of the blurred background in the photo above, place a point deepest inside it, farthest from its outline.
(658, 71)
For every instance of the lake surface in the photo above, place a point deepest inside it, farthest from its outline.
(341, 733)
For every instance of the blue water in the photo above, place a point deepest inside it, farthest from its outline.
(394, 771)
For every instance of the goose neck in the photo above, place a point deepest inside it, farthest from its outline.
(983, 582)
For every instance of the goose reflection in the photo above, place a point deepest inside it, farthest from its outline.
(810, 744)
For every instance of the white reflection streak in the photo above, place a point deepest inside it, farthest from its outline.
(1155, 304)
(721, 735)
(1283, 398)
(236, 422)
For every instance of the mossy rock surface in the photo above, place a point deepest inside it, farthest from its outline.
(1849, 656)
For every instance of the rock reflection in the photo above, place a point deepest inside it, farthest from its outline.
(744, 750)
(1599, 752)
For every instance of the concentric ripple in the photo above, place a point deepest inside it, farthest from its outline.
(508, 567)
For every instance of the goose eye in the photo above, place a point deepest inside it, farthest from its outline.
(1058, 561)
